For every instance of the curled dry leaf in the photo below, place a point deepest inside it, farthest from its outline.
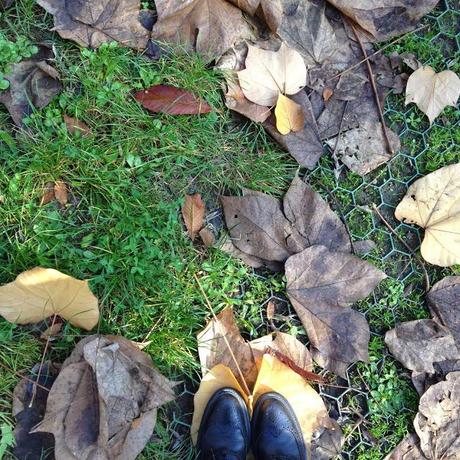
(91, 23)
(269, 73)
(28, 410)
(270, 10)
(75, 126)
(431, 91)
(433, 203)
(193, 212)
(437, 420)
(191, 24)
(60, 192)
(289, 115)
(104, 402)
(33, 84)
(42, 292)
(171, 100)
(321, 286)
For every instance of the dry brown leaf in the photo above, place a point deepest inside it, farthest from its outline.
(209, 27)
(269, 73)
(60, 192)
(289, 115)
(407, 449)
(48, 194)
(42, 292)
(51, 331)
(270, 10)
(431, 91)
(91, 23)
(208, 237)
(433, 203)
(193, 212)
(104, 402)
(76, 126)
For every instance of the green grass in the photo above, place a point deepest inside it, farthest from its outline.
(122, 228)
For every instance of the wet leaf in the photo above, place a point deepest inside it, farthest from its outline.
(269, 73)
(193, 212)
(76, 126)
(42, 292)
(431, 91)
(289, 115)
(33, 84)
(171, 100)
(433, 203)
(321, 286)
(92, 23)
(104, 402)
(190, 24)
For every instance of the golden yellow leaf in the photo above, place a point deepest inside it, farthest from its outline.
(218, 377)
(42, 292)
(305, 401)
(433, 203)
(289, 115)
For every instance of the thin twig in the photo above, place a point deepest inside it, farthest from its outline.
(18, 374)
(413, 253)
(48, 340)
(377, 52)
(374, 89)
(243, 381)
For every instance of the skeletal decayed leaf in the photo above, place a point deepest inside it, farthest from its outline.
(193, 212)
(433, 203)
(104, 402)
(269, 73)
(289, 115)
(42, 292)
(91, 23)
(321, 285)
(432, 91)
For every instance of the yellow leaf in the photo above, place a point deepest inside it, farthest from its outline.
(304, 400)
(433, 203)
(218, 377)
(289, 115)
(42, 292)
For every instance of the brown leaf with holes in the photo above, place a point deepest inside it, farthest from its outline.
(322, 285)
(75, 126)
(193, 212)
(104, 402)
(92, 23)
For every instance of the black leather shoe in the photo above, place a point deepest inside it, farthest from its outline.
(276, 433)
(225, 430)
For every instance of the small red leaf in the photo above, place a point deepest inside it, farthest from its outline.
(171, 100)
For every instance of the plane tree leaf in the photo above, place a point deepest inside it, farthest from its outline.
(270, 10)
(209, 27)
(171, 100)
(92, 23)
(269, 73)
(431, 91)
(321, 286)
(433, 203)
(289, 115)
(104, 402)
(43, 292)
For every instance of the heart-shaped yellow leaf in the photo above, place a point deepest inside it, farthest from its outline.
(43, 292)
(289, 115)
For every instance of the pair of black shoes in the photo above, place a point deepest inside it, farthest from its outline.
(226, 433)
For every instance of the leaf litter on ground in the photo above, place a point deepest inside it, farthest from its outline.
(193, 212)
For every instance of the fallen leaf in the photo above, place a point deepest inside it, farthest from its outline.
(208, 238)
(42, 292)
(433, 203)
(270, 10)
(418, 344)
(289, 115)
(269, 73)
(407, 449)
(437, 420)
(431, 91)
(383, 19)
(327, 442)
(444, 303)
(327, 94)
(364, 148)
(48, 194)
(104, 402)
(75, 126)
(171, 100)
(193, 212)
(321, 286)
(60, 192)
(28, 413)
(191, 24)
(33, 84)
(51, 331)
(91, 23)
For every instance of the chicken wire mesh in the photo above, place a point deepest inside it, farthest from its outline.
(424, 148)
